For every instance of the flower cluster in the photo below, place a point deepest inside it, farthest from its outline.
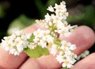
(42, 38)
(57, 22)
(15, 43)
(66, 55)
(55, 25)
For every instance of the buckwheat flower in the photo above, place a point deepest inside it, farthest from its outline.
(15, 43)
(83, 55)
(42, 38)
(61, 10)
(66, 64)
(32, 45)
(48, 38)
(55, 24)
(71, 46)
(59, 57)
(47, 18)
(42, 44)
(66, 55)
(53, 49)
(50, 8)
(56, 19)
(68, 61)
(38, 33)
(86, 53)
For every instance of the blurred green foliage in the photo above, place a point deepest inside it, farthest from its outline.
(3, 7)
(87, 15)
(1, 11)
(23, 21)
(20, 23)
(42, 7)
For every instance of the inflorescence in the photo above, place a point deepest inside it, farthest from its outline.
(55, 25)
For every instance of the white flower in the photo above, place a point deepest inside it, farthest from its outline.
(50, 8)
(47, 17)
(48, 38)
(83, 55)
(15, 43)
(42, 37)
(53, 50)
(42, 44)
(59, 58)
(32, 45)
(66, 64)
(66, 55)
(57, 21)
(68, 61)
(38, 33)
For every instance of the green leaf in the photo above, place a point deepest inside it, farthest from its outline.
(36, 52)
(19, 23)
(64, 68)
(31, 38)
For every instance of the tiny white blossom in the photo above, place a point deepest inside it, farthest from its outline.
(50, 8)
(15, 43)
(53, 49)
(32, 45)
(42, 44)
(38, 33)
(66, 65)
(47, 17)
(59, 58)
(83, 55)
